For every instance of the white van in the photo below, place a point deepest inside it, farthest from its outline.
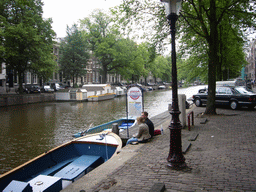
(55, 86)
(233, 83)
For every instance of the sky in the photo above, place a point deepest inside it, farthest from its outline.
(64, 12)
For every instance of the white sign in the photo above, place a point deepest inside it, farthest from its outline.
(134, 101)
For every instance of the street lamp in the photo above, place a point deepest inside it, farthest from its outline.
(175, 156)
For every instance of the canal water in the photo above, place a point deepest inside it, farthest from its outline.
(29, 130)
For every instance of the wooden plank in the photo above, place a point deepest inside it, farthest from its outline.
(77, 167)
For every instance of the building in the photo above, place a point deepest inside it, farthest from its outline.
(2, 78)
(92, 76)
(250, 69)
(9, 79)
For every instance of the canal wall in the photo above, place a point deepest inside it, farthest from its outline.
(9, 100)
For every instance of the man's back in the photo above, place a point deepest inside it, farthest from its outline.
(150, 126)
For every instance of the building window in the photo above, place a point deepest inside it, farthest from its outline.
(60, 75)
(97, 77)
(93, 77)
(28, 78)
(34, 79)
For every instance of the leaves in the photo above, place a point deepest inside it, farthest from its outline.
(74, 54)
(199, 26)
(26, 38)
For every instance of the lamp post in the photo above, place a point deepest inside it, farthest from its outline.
(175, 156)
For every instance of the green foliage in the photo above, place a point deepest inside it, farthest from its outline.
(208, 20)
(26, 38)
(74, 54)
(102, 38)
(143, 20)
(199, 26)
(161, 68)
(127, 60)
(143, 60)
(192, 60)
(196, 37)
(115, 53)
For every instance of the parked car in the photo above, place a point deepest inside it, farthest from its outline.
(23, 89)
(162, 87)
(150, 84)
(47, 89)
(118, 84)
(56, 86)
(234, 97)
(32, 89)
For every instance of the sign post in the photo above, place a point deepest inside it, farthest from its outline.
(134, 103)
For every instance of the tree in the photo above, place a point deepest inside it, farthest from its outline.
(202, 18)
(127, 60)
(161, 68)
(115, 53)
(74, 54)
(231, 55)
(102, 37)
(26, 38)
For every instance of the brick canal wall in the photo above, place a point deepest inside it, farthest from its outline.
(8, 100)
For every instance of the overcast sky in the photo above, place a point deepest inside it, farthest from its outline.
(65, 12)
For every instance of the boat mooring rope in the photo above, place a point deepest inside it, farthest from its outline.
(106, 146)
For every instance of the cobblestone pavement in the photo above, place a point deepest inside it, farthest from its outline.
(222, 158)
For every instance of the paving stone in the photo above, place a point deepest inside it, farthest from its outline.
(221, 158)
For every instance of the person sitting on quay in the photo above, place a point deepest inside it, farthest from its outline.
(143, 134)
(149, 123)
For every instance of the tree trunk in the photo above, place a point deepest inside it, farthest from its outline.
(20, 89)
(219, 70)
(213, 60)
(104, 74)
(73, 81)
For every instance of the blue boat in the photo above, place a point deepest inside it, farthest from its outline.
(56, 169)
(123, 124)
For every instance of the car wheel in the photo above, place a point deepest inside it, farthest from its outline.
(233, 105)
(198, 103)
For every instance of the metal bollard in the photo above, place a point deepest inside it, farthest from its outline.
(115, 128)
(191, 114)
(182, 108)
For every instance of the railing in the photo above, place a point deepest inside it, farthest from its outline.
(191, 114)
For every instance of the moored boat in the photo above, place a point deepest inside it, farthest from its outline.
(56, 169)
(123, 124)
(102, 97)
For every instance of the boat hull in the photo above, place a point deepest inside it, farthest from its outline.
(65, 163)
(101, 97)
(122, 124)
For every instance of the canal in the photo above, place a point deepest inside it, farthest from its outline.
(29, 130)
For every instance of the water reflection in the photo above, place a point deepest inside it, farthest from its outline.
(29, 130)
